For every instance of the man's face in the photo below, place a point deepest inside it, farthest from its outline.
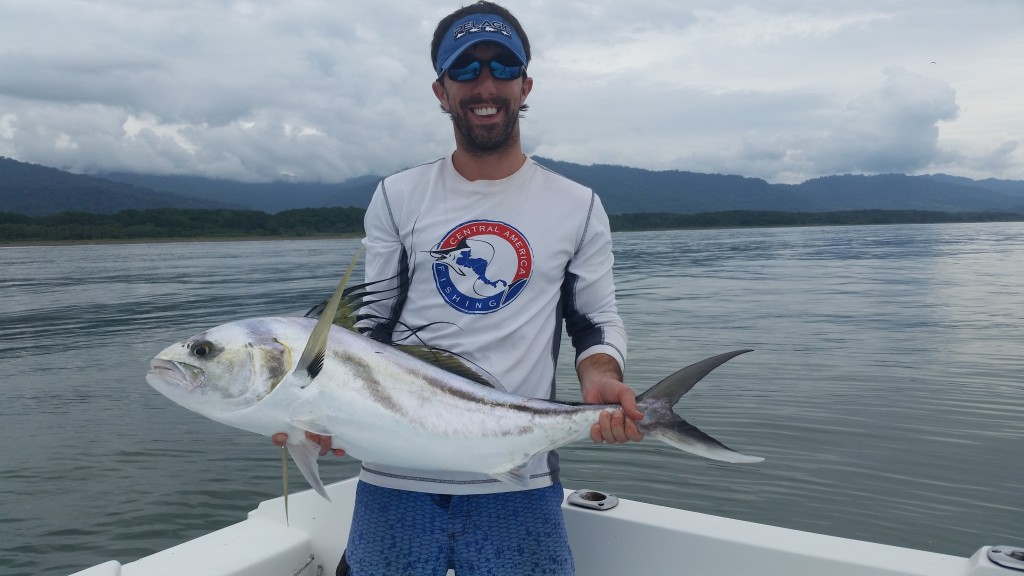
(485, 110)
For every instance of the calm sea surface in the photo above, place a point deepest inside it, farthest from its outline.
(886, 390)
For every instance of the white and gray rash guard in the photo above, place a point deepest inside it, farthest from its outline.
(489, 270)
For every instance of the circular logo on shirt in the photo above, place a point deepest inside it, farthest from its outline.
(481, 266)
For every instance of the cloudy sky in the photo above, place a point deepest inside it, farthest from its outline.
(324, 90)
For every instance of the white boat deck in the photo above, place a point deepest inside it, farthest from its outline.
(632, 538)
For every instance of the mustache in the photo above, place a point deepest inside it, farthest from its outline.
(476, 100)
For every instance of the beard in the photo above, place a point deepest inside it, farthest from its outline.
(490, 139)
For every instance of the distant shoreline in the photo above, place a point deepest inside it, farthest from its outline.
(196, 239)
(170, 225)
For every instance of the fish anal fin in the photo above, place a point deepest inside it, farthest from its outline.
(517, 476)
(311, 425)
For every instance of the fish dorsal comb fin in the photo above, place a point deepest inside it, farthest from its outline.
(449, 362)
(353, 298)
(312, 359)
(342, 310)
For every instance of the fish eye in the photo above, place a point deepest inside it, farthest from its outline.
(202, 349)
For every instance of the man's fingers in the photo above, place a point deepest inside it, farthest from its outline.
(627, 399)
(609, 428)
(618, 427)
(633, 431)
(615, 428)
(324, 442)
(606, 427)
(602, 430)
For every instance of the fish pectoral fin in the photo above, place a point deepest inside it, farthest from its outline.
(516, 476)
(305, 453)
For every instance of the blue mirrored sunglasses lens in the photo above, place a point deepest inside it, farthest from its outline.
(466, 73)
(471, 71)
(503, 72)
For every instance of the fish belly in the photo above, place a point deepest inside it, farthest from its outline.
(441, 431)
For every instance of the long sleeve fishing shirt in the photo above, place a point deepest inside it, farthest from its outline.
(490, 270)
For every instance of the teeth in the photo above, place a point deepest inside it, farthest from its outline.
(485, 111)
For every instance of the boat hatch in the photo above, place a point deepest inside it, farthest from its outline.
(593, 499)
(1007, 557)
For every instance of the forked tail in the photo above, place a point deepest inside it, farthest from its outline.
(662, 423)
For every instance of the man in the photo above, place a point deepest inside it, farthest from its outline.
(487, 253)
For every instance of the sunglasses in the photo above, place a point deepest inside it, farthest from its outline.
(502, 68)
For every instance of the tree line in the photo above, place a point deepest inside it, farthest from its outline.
(173, 223)
(767, 219)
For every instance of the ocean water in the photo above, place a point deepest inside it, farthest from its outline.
(885, 390)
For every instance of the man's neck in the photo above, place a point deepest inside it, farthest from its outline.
(475, 167)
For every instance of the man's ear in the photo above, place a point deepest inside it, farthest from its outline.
(440, 94)
(527, 87)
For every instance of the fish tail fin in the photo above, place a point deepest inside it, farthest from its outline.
(662, 423)
(687, 437)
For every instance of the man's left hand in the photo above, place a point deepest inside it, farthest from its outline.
(601, 381)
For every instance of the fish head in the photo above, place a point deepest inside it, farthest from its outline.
(222, 370)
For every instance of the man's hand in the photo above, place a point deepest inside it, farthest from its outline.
(281, 438)
(601, 382)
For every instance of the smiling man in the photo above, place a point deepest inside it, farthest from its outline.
(484, 104)
(486, 253)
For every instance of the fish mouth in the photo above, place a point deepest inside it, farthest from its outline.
(167, 371)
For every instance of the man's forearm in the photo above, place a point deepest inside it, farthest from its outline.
(593, 368)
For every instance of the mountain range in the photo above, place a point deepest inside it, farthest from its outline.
(38, 190)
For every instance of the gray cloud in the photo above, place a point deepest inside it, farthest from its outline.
(891, 129)
(318, 90)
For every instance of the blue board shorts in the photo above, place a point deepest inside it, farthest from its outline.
(396, 532)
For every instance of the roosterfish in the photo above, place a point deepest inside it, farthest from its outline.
(399, 405)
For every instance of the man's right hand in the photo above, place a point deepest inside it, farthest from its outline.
(324, 442)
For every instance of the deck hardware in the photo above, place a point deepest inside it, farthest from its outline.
(309, 561)
(593, 499)
(1007, 557)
